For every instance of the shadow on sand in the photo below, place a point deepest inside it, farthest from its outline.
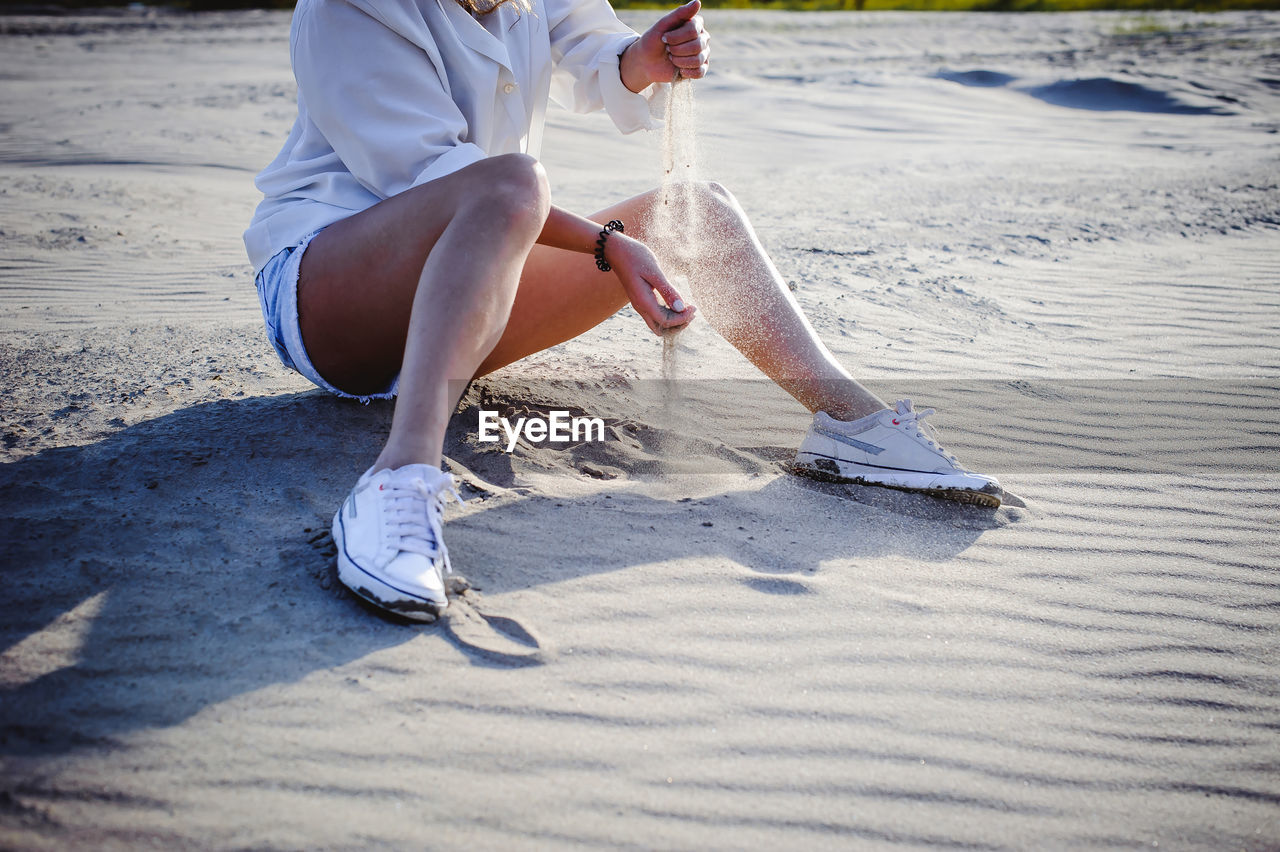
(188, 558)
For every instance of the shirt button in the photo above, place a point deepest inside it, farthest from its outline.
(509, 88)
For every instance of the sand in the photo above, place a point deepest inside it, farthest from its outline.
(1060, 231)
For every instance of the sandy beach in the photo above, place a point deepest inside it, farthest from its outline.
(1062, 231)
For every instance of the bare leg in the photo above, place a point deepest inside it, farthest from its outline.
(421, 284)
(444, 282)
(736, 287)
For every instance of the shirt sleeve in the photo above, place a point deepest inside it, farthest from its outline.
(393, 124)
(586, 40)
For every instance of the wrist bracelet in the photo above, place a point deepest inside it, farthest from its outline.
(601, 263)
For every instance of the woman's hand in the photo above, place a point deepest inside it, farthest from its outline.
(638, 270)
(676, 44)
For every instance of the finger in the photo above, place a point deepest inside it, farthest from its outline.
(689, 48)
(669, 295)
(674, 329)
(667, 321)
(689, 31)
(685, 63)
(676, 17)
(660, 317)
(646, 304)
(678, 319)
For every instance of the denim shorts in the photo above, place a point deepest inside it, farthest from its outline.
(278, 295)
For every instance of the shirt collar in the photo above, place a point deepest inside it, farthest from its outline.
(473, 34)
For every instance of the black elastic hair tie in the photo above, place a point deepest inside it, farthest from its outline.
(601, 263)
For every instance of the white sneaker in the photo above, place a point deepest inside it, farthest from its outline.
(390, 540)
(893, 449)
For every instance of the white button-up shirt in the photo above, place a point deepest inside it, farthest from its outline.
(396, 93)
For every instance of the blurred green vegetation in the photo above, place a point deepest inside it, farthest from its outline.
(28, 6)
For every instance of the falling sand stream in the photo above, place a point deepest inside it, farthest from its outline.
(676, 234)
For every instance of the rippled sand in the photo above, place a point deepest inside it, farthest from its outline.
(1059, 231)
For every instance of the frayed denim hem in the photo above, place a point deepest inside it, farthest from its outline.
(278, 296)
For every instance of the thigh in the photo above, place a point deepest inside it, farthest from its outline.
(356, 286)
(359, 276)
(562, 294)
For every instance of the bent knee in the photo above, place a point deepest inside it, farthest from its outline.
(708, 193)
(706, 189)
(512, 191)
(519, 174)
(714, 199)
(717, 190)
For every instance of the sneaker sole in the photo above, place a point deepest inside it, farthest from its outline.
(378, 592)
(827, 469)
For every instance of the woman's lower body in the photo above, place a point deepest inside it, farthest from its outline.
(426, 290)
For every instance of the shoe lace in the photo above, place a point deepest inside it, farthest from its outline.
(910, 418)
(416, 515)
